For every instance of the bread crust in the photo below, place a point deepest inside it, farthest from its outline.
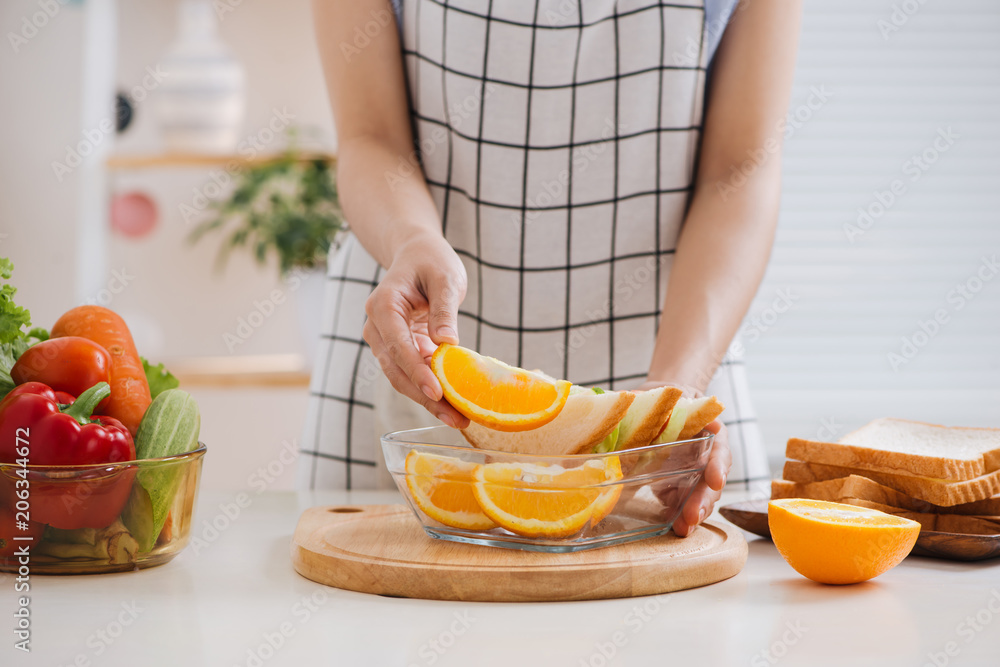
(943, 492)
(868, 458)
(700, 418)
(653, 421)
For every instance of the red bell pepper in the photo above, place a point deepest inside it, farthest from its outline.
(89, 497)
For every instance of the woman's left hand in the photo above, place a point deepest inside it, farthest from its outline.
(701, 502)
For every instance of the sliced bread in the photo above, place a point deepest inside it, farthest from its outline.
(942, 492)
(701, 412)
(646, 416)
(946, 523)
(899, 446)
(585, 420)
(856, 486)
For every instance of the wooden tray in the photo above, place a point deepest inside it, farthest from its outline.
(382, 549)
(751, 515)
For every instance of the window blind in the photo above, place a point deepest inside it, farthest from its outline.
(883, 293)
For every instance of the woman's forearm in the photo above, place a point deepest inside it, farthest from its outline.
(384, 195)
(721, 256)
(726, 239)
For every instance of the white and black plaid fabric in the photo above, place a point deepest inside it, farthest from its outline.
(559, 140)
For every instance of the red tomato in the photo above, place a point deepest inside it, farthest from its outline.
(71, 364)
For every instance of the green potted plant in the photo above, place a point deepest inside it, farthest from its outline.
(285, 209)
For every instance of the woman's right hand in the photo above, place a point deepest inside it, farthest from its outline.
(411, 311)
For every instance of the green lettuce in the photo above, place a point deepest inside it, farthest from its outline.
(16, 334)
(159, 378)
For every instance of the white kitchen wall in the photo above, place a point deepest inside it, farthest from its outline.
(895, 80)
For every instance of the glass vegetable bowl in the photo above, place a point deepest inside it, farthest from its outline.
(542, 503)
(91, 519)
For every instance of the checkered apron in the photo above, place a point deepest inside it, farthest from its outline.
(559, 139)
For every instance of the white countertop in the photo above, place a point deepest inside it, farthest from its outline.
(227, 601)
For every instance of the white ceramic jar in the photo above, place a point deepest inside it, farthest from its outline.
(201, 102)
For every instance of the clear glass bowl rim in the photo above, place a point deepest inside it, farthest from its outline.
(192, 455)
(401, 438)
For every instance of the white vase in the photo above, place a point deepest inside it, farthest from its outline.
(201, 101)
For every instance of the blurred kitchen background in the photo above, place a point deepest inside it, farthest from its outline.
(882, 299)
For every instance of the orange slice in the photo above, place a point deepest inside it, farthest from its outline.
(441, 486)
(834, 543)
(491, 393)
(548, 501)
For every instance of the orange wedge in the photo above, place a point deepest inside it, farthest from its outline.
(498, 396)
(548, 501)
(441, 486)
(834, 543)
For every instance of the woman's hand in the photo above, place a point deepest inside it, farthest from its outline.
(701, 502)
(412, 310)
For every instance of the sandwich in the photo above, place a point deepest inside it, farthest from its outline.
(596, 421)
(947, 478)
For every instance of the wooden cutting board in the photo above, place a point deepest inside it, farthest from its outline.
(382, 549)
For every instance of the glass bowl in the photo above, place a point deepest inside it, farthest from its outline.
(110, 517)
(542, 503)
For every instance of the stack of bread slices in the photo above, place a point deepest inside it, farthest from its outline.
(947, 479)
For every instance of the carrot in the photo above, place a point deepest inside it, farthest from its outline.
(129, 387)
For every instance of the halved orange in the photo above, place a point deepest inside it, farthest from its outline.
(441, 486)
(494, 394)
(834, 543)
(548, 501)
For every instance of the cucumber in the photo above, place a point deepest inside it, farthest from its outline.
(169, 427)
(138, 518)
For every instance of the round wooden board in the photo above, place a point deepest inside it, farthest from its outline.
(382, 549)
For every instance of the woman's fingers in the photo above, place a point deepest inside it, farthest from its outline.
(445, 293)
(397, 340)
(721, 458)
(702, 501)
(401, 382)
